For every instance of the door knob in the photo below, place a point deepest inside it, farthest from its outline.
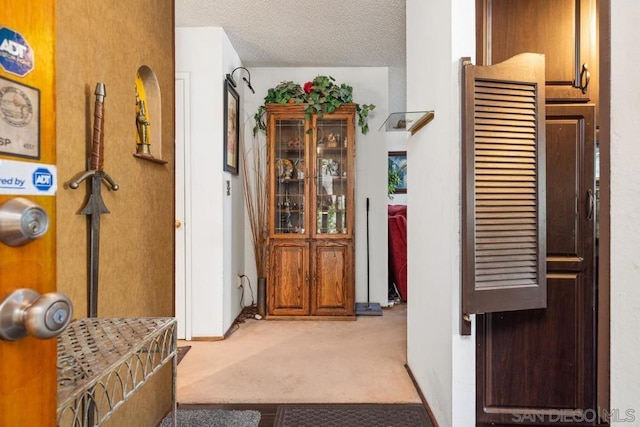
(178, 223)
(26, 312)
(585, 76)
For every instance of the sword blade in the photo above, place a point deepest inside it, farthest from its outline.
(95, 207)
(94, 265)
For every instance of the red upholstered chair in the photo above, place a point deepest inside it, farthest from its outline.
(397, 220)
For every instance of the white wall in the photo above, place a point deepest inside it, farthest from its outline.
(625, 209)
(370, 86)
(233, 218)
(216, 233)
(439, 33)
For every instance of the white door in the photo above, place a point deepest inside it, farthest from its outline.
(182, 214)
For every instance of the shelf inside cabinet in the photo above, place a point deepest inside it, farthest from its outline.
(330, 150)
(285, 230)
(290, 180)
(298, 152)
(291, 211)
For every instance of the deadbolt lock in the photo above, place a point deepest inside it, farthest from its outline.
(22, 221)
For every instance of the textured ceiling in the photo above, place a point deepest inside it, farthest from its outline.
(304, 33)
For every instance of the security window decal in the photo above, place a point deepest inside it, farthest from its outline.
(19, 119)
(16, 56)
(27, 178)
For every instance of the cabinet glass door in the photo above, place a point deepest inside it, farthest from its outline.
(290, 172)
(332, 163)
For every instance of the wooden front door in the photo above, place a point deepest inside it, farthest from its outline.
(28, 369)
(538, 366)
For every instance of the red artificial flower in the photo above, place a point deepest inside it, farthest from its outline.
(308, 87)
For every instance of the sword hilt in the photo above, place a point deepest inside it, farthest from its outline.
(82, 176)
(112, 185)
(97, 146)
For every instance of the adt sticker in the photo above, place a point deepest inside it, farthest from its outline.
(28, 178)
(16, 56)
(42, 179)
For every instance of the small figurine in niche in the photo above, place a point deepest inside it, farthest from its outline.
(300, 168)
(287, 212)
(332, 141)
(141, 124)
(294, 143)
(284, 168)
(328, 169)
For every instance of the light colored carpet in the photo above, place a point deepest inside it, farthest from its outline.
(212, 418)
(270, 361)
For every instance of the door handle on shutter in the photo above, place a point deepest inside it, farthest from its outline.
(586, 76)
(590, 204)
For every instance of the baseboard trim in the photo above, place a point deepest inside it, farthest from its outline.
(422, 398)
(234, 326)
(206, 338)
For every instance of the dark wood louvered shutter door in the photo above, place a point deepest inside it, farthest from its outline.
(503, 182)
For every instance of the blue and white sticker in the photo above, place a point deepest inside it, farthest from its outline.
(16, 56)
(27, 178)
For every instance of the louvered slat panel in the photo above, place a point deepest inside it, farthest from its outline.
(498, 153)
(505, 142)
(499, 254)
(503, 200)
(495, 114)
(520, 226)
(497, 109)
(490, 188)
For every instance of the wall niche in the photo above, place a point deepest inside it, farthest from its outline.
(148, 133)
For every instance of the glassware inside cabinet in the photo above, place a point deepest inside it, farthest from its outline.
(290, 172)
(332, 168)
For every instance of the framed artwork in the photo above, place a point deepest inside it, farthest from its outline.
(231, 128)
(19, 119)
(398, 164)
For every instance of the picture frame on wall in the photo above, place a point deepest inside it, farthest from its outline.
(398, 164)
(20, 119)
(231, 128)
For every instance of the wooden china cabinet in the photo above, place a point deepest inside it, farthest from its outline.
(311, 172)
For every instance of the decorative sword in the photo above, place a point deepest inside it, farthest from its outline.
(95, 205)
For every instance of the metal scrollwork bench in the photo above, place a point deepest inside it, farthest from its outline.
(101, 362)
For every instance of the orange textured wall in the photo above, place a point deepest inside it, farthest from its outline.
(108, 41)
